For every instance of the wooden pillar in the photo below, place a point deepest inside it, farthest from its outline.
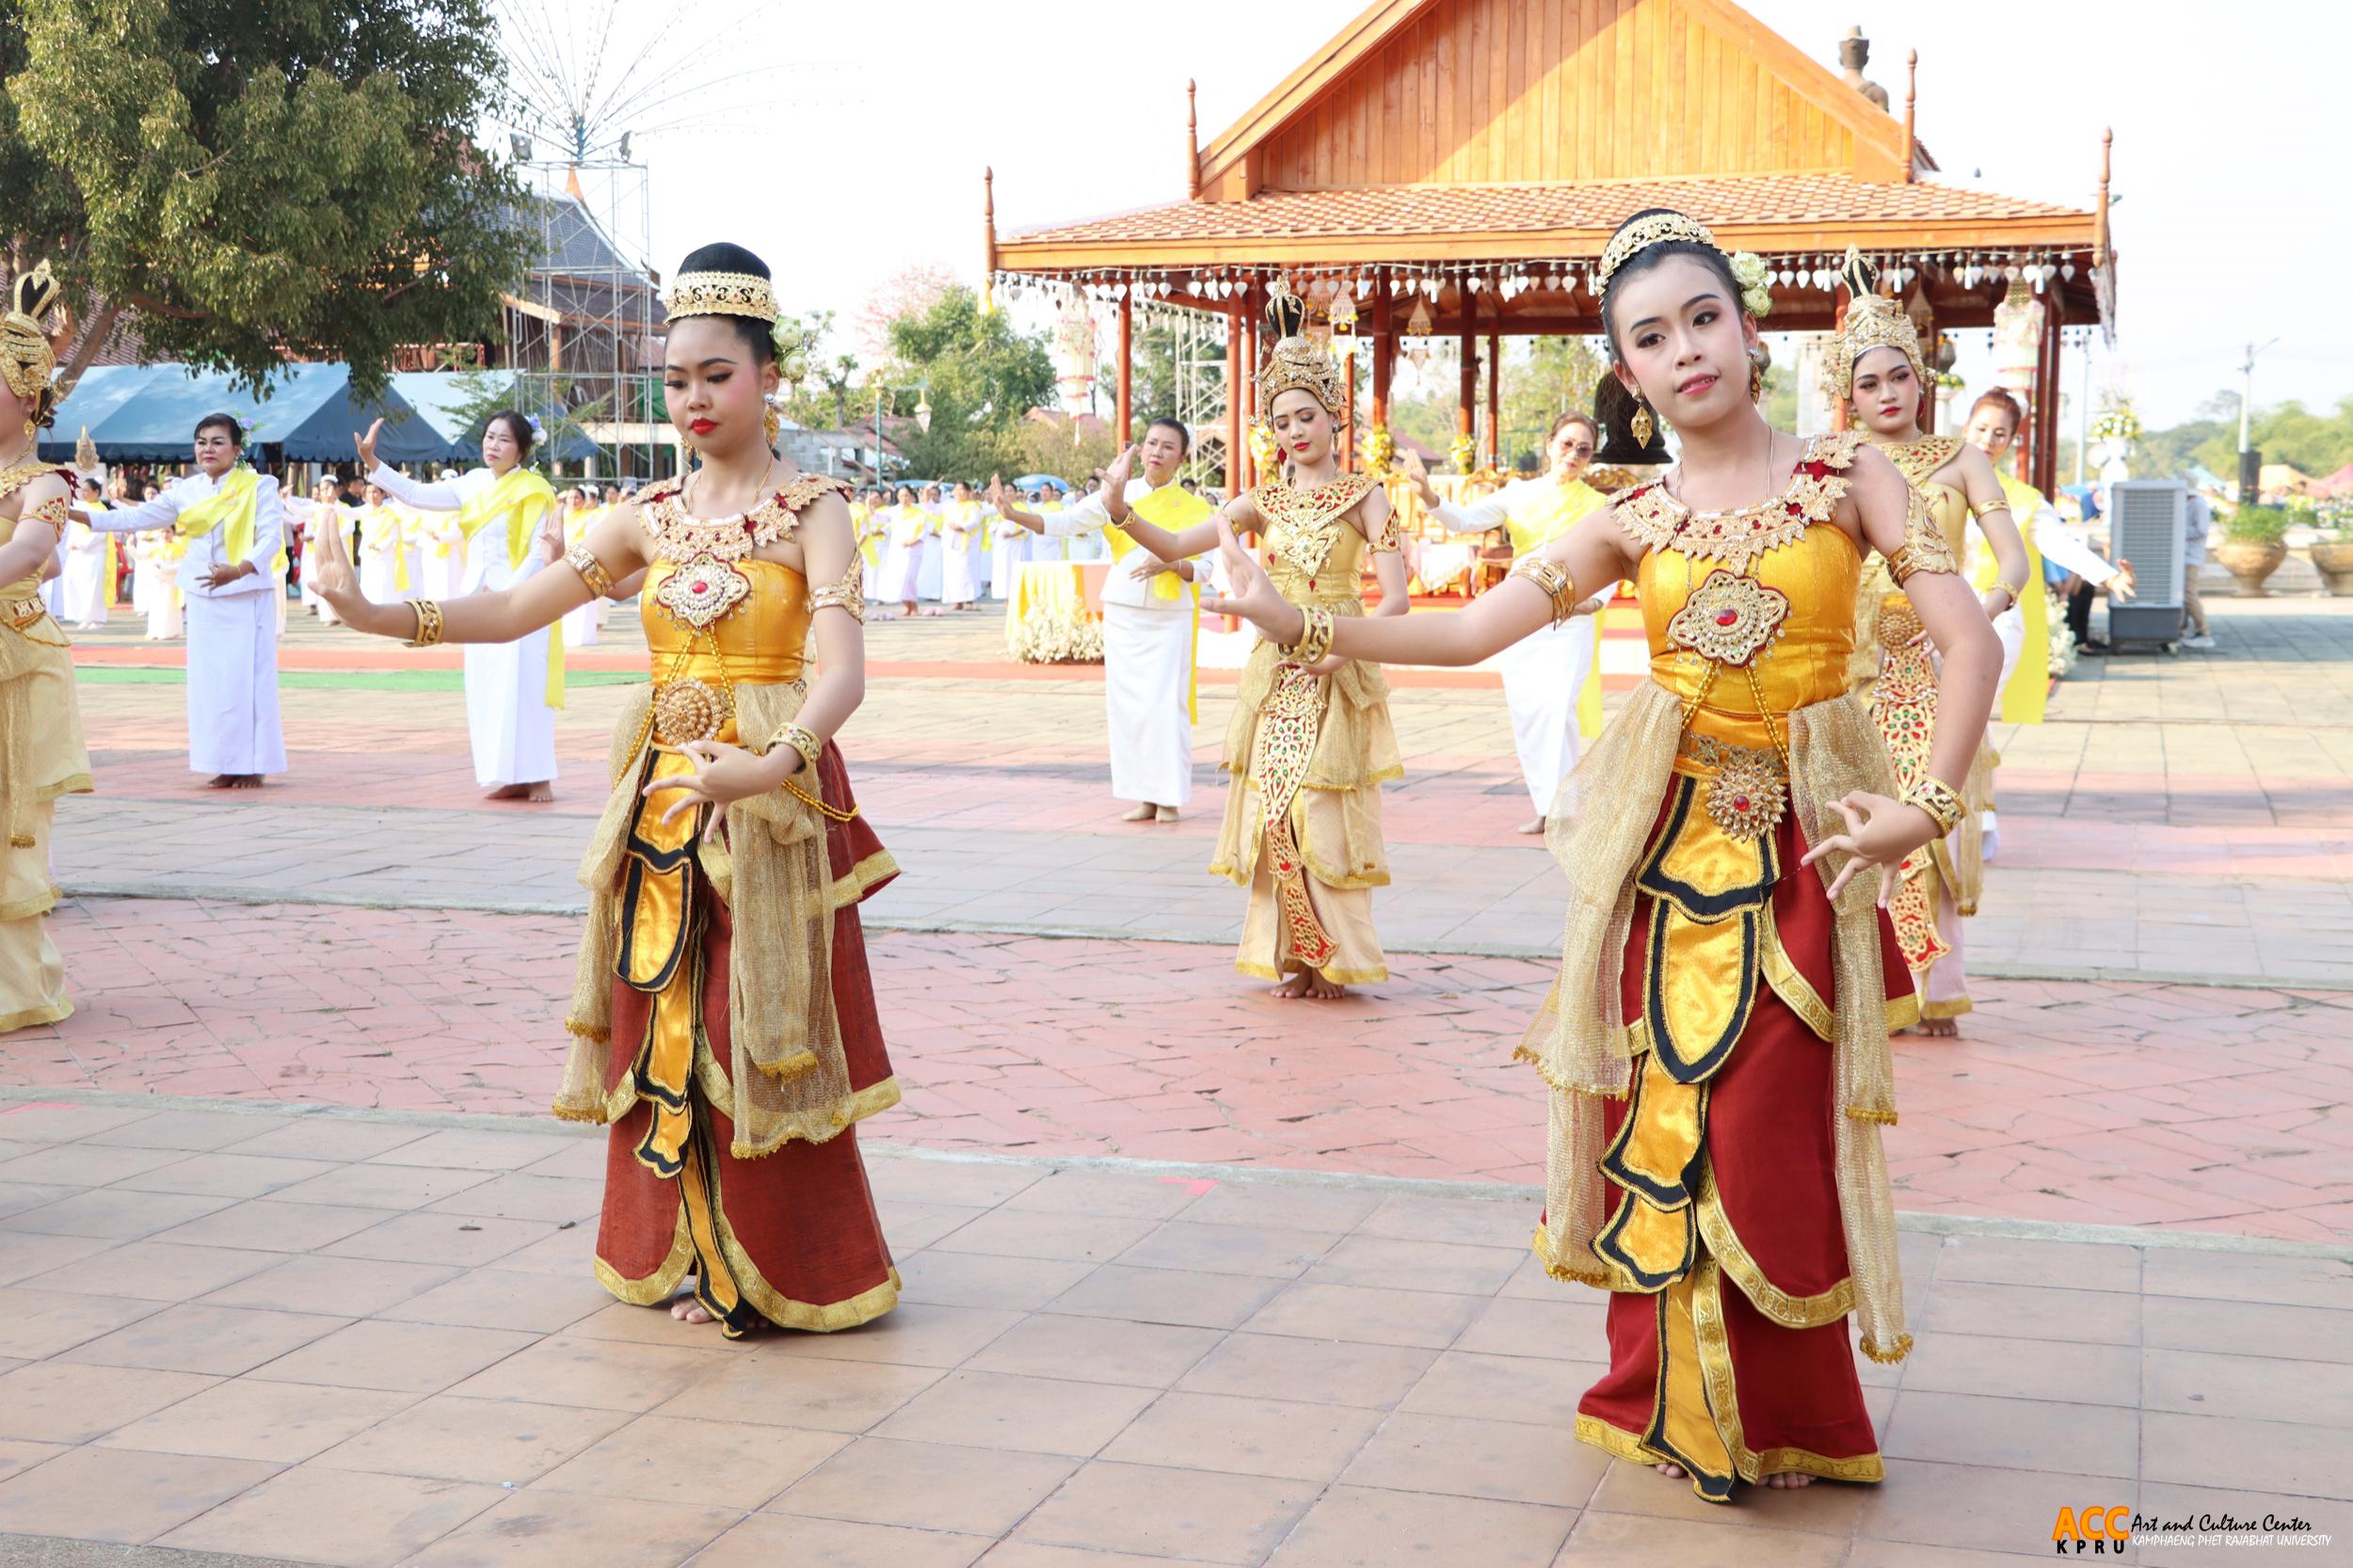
(1383, 352)
(1468, 401)
(1251, 332)
(1840, 409)
(1124, 403)
(2046, 396)
(1348, 448)
(1233, 402)
(1494, 400)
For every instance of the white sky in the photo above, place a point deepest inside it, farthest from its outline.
(862, 155)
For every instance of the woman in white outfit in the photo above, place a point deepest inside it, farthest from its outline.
(1009, 551)
(89, 558)
(962, 531)
(1548, 672)
(512, 529)
(902, 576)
(1152, 621)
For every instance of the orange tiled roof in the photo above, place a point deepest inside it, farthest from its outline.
(1409, 211)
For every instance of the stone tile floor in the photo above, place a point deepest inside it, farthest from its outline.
(2122, 1102)
(372, 1338)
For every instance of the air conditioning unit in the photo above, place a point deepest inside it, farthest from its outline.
(2145, 528)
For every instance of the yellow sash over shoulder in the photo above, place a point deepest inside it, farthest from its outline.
(520, 501)
(232, 506)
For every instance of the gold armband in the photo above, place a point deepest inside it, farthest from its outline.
(1314, 638)
(849, 594)
(806, 742)
(583, 561)
(1979, 508)
(1925, 548)
(1392, 538)
(428, 615)
(1940, 800)
(56, 511)
(1553, 579)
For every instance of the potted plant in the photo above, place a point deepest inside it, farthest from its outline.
(2254, 542)
(2332, 546)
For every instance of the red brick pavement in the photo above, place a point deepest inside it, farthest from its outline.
(2111, 1103)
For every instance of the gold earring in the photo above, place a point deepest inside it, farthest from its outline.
(1757, 380)
(1641, 426)
(773, 423)
(31, 430)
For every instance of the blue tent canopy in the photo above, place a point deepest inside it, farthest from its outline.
(148, 414)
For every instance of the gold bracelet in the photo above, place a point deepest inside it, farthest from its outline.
(1553, 579)
(1940, 800)
(428, 615)
(806, 742)
(1315, 636)
(583, 561)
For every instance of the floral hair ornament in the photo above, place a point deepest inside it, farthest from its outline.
(1756, 282)
(1873, 321)
(791, 340)
(1748, 269)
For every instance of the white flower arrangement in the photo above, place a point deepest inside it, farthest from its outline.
(1756, 280)
(791, 341)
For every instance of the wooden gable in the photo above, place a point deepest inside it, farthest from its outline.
(1552, 91)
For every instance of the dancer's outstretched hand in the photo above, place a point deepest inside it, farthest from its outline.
(367, 446)
(1249, 595)
(1880, 832)
(335, 579)
(723, 774)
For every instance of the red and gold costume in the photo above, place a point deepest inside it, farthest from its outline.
(1943, 880)
(1310, 753)
(731, 973)
(1717, 1041)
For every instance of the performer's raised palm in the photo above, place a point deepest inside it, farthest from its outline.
(332, 576)
(366, 445)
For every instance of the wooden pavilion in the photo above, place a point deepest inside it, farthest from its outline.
(1457, 166)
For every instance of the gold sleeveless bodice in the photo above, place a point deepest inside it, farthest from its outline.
(762, 642)
(1817, 573)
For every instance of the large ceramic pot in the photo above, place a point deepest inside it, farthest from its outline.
(2335, 560)
(2250, 563)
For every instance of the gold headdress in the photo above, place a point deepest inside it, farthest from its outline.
(1298, 362)
(722, 294)
(1640, 235)
(1873, 321)
(28, 361)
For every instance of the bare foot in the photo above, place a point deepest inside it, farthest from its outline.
(1311, 985)
(1940, 1029)
(541, 791)
(236, 781)
(1787, 1480)
(1673, 1472)
(505, 791)
(219, 781)
(1142, 813)
(1533, 825)
(686, 1309)
(1164, 814)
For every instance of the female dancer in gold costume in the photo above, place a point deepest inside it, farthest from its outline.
(1717, 1042)
(41, 755)
(724, 955)
(1877, 368)
(1310, 743)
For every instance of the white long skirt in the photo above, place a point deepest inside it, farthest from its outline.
(379, 576)
(1543, 674)
(508, 714)
(903, 573)
(233, 685)
(1004, 567)
(957, 585)
(1147, 670)
(584, 626)
(83, 588)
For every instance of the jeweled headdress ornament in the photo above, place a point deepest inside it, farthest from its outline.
(1298, 362)
(1642, 233)
(1873, 321)
(28, 361)
(721, 293)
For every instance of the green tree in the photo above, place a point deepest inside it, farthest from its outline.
(259, 179)
(820, 400)
(981, 378)
(1555, 378)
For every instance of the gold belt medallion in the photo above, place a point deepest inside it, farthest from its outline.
(687, 710)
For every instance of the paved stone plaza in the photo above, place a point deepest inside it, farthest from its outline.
(294, 1269)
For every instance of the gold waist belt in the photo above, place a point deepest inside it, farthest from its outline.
(692, 710)
(19, 614)
(1748, 788)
